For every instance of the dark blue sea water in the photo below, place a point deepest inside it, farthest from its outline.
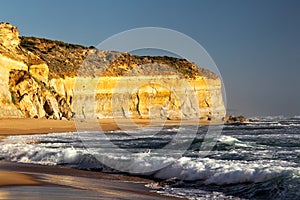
(248, 160)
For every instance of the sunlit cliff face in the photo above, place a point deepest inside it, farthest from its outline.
(51, 79)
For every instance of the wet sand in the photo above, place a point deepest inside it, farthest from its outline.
(15, 178)
(69, 183)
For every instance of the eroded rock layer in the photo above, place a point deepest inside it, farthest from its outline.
(52, 79)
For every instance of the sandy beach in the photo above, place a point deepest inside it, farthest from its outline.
(27, 126)
(13, 176)
(37, 181)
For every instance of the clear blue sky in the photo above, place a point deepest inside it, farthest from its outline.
(255, 43)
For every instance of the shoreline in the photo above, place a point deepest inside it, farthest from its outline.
(26, 126)
(92, 183)
(117, 185)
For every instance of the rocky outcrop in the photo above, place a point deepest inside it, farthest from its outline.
(11, 57)
(35, 99)
(46, 78)
(24, 90)
(238, 119)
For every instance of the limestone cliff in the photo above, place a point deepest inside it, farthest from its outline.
(53, 79)
(24, 88)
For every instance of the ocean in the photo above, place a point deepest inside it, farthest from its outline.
(255, 160)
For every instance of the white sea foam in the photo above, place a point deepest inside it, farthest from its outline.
(272, 118)
(28, 149)
(223, 172)
(233, 141)
(192, 194)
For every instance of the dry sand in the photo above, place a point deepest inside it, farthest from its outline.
(43, 126)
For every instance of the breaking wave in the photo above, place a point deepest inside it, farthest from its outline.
(245, 162)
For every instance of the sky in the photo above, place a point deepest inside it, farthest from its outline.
(254, 43)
